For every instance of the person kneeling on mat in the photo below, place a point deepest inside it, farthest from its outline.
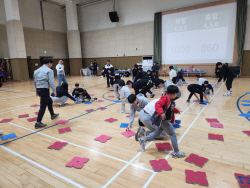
(163, 118)
(145, 116)
(62, 95)
(137, 103)
(83, 95)
(195, 88)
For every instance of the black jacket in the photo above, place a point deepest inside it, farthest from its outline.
(209, 86)
(60, 92)
(95, 65)
(75, 92)
(134, 72)
(142, 75)
(226, 72)
(140, 84)
(155, 68)
(117, 78)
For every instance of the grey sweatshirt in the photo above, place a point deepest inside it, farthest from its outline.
(44, 78)
(143, 101)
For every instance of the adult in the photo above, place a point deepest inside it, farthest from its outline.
(43, 80)
(91, 68)
(110, 67)
(95, 68)
(60, 72)
(227, 74)
(62, 95)
(155, 69)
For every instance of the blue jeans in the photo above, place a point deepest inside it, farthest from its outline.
(61, 78)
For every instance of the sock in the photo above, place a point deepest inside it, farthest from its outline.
(228, 92)
(230, 89)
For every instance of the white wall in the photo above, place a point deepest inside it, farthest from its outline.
(247, 40)
(96, 17)
(30, 14)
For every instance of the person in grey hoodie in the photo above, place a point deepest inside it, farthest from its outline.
(137, 103)
(43, 80)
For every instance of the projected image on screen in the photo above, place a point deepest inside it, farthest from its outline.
(199, 36)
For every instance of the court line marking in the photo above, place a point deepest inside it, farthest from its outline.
(238, 106)
(118, 173)
(43, 167)
(15, 110)
(15, 106)
(34, 132)
(153, 175)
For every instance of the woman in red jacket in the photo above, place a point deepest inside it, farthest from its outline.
(163, 118)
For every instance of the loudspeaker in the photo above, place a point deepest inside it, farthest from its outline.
(113, 16)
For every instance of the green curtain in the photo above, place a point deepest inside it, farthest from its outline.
(241, 27)
(157, 38)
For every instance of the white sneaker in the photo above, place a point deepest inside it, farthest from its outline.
(122, 112)
(178, 154)
(227, 94)
(142, 143)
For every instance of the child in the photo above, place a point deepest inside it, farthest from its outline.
(179, 78)
(143, 85)
(150, 75)
(168, 83)
(83, 95)
(164, 119)
(117, 78)
(75, 92)
(208, 87)
(206, 84)
(172, 72)
(126, 74)
(125, 92)
(195, 88)
(134, 72)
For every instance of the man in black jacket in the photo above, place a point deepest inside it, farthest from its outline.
(227, 74)
(94, 68)
(155, 70)
(142, 86)
(62, 95)
(111, 68)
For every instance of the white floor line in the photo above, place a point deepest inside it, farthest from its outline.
(153, 175)
(118, 173)
(109, 156)
(17, 97)
(15, 107)
(14, 110)
(44, 168)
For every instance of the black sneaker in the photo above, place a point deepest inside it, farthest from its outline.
(54, 116)
(40, 125)
(62, 105)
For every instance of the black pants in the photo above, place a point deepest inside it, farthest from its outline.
(45, 101)
(229, 83)
(194, 90)
(217, 74)
(155, 73)
(94, 71)
(181, 77)
(146, 89)
(110, 80)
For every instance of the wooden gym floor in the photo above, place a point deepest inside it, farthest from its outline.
(26, 161)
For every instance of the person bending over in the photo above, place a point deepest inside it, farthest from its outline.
(172, 83)
(125, 92)
(62, 95)
(195, 88)
(164, 118)
(228, 74)
(141, 86)
(137, 103)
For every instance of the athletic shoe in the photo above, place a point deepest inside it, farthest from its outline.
(178, 154)
(108, 86)
(140, 133)
(188, 100)
(1, 132)
(54, 116)
(202, 103)
(40, 125)
(142, 143)
(118, 98)
(227, 94)
(93, 99)
(62, 105)
(152, 95)
(122, 112)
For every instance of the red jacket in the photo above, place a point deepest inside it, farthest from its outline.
(165, 101)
